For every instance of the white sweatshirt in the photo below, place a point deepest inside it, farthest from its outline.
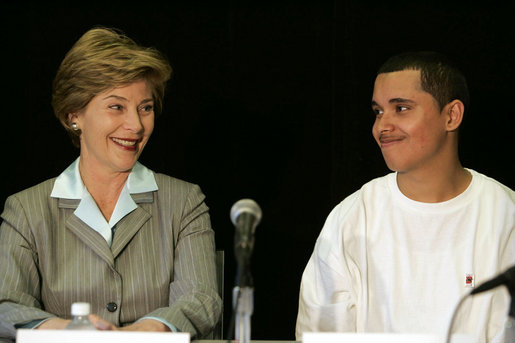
(386, 263)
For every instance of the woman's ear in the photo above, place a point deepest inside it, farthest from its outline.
(72, 117)
(73, 121)
(454, 112)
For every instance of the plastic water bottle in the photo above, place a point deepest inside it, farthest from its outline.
(80, 321)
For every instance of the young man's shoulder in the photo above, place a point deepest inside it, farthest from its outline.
(378, 185)
(375, 189)
(491, 187)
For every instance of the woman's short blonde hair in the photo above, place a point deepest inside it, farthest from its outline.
(102, 59)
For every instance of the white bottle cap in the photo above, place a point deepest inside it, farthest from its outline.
(80, 309)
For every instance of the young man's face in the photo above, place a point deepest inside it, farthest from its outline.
(408, 128)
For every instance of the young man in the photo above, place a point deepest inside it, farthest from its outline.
(399, 254)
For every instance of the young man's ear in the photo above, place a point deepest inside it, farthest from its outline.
(454, 112)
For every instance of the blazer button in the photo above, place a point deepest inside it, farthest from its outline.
(111, 307)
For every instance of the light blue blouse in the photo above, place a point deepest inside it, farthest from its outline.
(69, 185)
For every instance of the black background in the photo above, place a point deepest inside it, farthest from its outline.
(269, 101)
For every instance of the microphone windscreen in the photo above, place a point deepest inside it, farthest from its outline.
(245, 206)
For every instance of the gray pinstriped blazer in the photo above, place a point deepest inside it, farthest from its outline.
(161, 262)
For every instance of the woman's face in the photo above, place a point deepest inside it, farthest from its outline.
(116, 125)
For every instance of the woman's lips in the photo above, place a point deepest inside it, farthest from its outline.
(125, 143)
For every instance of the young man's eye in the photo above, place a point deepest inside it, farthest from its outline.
(402, 108)
(377, 111)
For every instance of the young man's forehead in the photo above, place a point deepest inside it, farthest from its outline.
(399, 80)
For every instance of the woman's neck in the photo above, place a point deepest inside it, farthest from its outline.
(104, 186)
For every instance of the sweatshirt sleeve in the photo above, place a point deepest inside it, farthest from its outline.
(327, 300)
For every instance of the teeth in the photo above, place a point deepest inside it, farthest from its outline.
(124, 142)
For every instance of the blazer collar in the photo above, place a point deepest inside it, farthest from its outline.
(69, 185)
(138, 198)
(125, 231)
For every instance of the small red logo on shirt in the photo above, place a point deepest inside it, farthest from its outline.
(469, 280)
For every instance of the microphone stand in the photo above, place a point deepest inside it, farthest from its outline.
(245, 215)
(243, 297)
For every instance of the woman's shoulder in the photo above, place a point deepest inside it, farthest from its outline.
(40, 190)
(170, 181)
(33, 201)
(175, 186)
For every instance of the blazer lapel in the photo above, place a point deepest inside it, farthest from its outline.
(127, 228)
(91, 238)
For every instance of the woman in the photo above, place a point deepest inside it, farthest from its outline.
(137, 245)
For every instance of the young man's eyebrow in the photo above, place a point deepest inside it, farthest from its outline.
(394, 101)
(398, 100)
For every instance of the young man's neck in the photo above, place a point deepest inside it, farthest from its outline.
(432, 186)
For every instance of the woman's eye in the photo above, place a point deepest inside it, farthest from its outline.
(115, 107)
(147, 108)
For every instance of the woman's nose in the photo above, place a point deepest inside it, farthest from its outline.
(133, 121)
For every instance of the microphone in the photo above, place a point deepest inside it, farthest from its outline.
(507, 278)
(245, 215)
